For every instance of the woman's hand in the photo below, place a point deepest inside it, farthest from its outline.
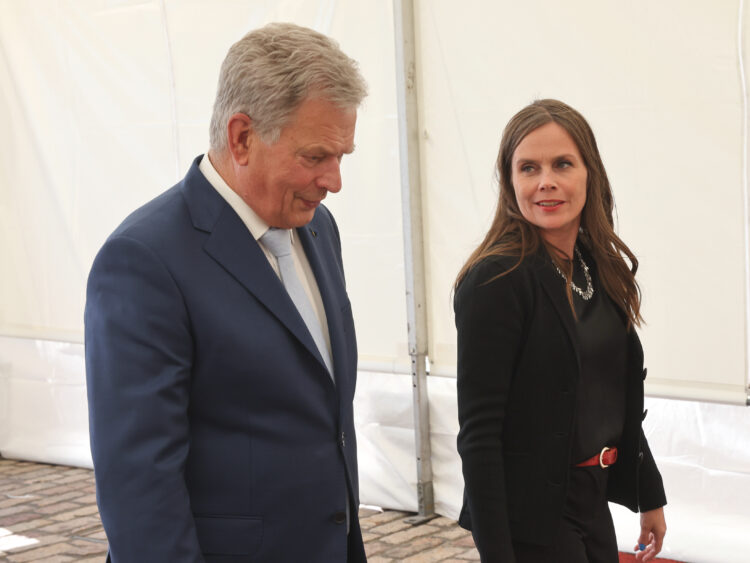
(653, 528)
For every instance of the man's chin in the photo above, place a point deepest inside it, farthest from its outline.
(301, 219)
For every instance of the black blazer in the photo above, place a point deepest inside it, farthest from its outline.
(518, 370)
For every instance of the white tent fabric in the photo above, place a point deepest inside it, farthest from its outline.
(663, 87)
(97, 122)
(103, 104)
(43, 414)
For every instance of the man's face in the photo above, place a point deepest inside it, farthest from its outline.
(286, 181)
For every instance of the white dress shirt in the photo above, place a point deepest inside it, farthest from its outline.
(258, 228)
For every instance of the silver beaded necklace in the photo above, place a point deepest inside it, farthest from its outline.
(589, 293)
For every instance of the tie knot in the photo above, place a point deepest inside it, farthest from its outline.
(277, 241)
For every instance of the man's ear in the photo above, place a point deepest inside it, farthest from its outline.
(240, 136)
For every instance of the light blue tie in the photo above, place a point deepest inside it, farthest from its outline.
(279, 243)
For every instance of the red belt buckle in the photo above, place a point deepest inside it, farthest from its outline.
(605, 458)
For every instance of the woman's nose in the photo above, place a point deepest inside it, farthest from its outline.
(547, 181)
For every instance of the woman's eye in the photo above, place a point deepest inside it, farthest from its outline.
(564, 164)
(527, 168)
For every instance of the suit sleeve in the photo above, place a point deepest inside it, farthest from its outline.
(138, 365)
(489, 322)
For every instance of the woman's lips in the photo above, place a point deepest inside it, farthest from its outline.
(549, 204)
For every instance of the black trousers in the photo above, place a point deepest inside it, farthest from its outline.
(586, 533)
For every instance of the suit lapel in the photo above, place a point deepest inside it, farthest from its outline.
(234, 248)
(328, 285)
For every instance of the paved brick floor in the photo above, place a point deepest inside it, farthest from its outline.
(48, 515)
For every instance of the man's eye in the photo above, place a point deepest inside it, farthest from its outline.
(314, 158)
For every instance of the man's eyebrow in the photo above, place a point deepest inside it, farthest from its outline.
(325, 149)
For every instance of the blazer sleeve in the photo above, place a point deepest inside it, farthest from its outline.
(489, 322)
(138, 365)
(650, 485)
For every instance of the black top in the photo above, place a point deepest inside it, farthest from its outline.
(602, 338)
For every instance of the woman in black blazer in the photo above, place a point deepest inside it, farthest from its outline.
(550, 369)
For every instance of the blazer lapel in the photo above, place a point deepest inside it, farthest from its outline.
(554, 287)
(234, 248)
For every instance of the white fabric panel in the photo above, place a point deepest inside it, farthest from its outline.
(703, 453)
(385, 442)
(105, 105)
(89, 137)
(660, 84)
(43, 414)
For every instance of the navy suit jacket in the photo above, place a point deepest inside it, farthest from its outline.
(217, 433)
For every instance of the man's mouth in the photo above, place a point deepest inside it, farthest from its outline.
(311, 203)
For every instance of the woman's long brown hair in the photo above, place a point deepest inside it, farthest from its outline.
(512, 235)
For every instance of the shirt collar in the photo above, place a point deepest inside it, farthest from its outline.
(254, 224)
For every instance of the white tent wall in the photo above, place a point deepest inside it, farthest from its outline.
(662, 85)
(103, 104)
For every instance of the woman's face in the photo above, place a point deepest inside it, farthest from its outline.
(549, 180)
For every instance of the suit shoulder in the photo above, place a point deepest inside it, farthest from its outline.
(161, 228)
(152, 216)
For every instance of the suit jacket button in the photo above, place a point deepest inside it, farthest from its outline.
(339, 517)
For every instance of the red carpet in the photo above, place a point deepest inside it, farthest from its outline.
(630, 558)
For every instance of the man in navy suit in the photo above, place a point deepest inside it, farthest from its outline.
(220, 405)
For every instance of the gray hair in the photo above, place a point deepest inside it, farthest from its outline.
(268, 73)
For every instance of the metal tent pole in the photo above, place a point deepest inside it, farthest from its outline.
(411, 197)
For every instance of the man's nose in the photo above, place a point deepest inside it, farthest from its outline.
(330, 179)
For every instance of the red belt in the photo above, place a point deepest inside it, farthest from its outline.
(605, 458)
